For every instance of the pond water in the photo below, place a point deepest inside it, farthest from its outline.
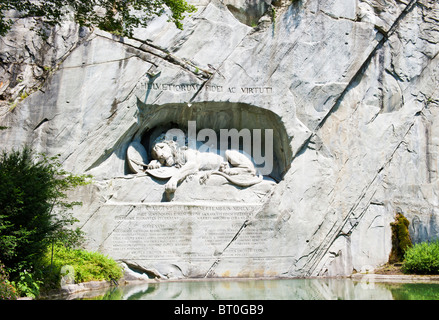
(285, 289)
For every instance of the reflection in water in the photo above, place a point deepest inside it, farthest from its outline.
(288, 289)
(415, 291)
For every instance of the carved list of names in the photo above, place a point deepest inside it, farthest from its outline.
(167, 230)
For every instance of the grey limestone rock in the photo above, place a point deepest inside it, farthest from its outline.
(349, 88)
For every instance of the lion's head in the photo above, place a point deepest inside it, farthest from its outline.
(168, 153)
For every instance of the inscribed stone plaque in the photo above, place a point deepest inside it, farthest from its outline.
(185, 231)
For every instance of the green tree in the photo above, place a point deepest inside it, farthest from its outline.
(118, 16)
(31, 188)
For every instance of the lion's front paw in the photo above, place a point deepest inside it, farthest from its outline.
(223, 167)
(204, 178)
(171, 186)
(154, 164)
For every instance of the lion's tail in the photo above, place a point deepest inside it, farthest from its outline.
(240, 182)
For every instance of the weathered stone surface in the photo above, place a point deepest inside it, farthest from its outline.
(350, 90)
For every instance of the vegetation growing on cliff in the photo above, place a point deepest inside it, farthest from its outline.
(401, 241)
(117, 16)
(421, 258)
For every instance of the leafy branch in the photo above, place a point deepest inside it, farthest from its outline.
(117, 16)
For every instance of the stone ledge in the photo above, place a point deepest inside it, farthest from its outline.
(84, 286)
(407, 278)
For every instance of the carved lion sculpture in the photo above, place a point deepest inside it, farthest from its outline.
(235, 166)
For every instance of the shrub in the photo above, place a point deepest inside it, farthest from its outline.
(7, 290)
(422, 258)
(27, 284)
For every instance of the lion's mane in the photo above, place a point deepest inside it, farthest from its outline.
(177, 152)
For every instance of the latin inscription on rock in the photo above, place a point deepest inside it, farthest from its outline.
(194, 87)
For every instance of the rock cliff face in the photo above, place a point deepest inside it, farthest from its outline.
(350, 89)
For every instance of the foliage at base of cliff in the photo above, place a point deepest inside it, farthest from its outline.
(422, 258)
(75, 266)
(7, 290)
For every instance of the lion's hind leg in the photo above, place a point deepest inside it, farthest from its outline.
(240, 164)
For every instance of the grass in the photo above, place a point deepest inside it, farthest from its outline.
(86, 266)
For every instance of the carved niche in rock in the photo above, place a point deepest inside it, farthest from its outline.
(175, 163)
